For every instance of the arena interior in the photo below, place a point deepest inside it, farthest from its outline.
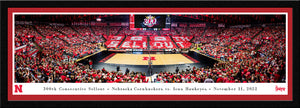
(164, 48)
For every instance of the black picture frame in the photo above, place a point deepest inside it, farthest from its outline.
(117, 4)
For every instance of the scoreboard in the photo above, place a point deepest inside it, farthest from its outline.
(150, 22)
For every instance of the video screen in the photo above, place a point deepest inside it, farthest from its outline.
(150, 22)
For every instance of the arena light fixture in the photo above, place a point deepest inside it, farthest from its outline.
(98, 19)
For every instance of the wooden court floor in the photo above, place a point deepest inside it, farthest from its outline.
(142, 59)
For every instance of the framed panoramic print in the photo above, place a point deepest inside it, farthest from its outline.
(145, 53)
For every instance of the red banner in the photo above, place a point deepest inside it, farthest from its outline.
(183, 41)
(135, 42)
(116, 38)
(113, 41)
(162, 45)
(160, 38)
(182, 38)
(136, 38)
(134, 45)
(183, 44)
(161, 42)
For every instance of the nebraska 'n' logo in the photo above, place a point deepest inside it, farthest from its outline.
(147, 58)
(18, 88)
(279, 88)
(150, 21)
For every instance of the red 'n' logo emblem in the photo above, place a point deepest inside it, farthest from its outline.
(147, 58)
(18, 88)
(279, 88)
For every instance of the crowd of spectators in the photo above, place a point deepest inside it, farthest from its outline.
(69, 35)
(182, 31)
(24, 35)
(171, 32)
(53, 59)
(126, 31)
(47, 30)
(196, 32)
(251, 71)
(99, 30)
(80, 45)
(227, 42)
(24, 41)
(148, 33)
(87, 35)
(56, 42)
(209, 34)
(114, 30)
(252, 55)
(83, 30)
